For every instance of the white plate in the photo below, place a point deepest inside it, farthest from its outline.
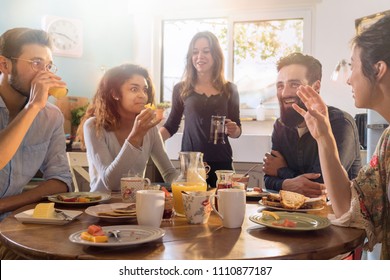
(313, 199)
(256, 194)
(94, 210)
(27, 217)
(290, 210)
(104, 197)
(129, 235)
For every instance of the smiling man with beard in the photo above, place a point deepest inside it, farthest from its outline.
(293, 163)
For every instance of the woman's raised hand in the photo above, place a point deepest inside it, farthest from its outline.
(143, 122)
(316, 116)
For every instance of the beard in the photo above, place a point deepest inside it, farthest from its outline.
(16, 84)
(289, 116)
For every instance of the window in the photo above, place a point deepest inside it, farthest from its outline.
(257, 47)
(177, 35)
(252, 48)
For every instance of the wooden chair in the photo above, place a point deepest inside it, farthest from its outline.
(78, 162)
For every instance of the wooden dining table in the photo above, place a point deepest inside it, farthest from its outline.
(182, 241)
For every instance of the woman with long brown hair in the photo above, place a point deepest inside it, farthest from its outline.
(204, 92)
(119, 133)
(363, 202)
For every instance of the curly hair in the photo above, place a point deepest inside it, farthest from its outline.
(190, 74)
(103, 107)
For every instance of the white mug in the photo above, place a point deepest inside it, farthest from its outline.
(149, 207)
(231, 206)
(130, 186)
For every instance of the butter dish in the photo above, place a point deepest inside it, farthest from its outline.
(27, 217)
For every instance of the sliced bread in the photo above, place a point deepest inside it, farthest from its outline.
(292, 200)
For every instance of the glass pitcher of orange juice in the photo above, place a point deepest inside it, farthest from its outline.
(188, 180)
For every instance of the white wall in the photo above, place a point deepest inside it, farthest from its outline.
(333, 26)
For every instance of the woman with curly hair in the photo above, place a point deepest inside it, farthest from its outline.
(119, 133)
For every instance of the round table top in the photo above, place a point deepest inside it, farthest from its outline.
(182, 241)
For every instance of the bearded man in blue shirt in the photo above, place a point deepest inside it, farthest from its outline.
(293, 163)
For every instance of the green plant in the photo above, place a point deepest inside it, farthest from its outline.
(77, 114)
(163, 105)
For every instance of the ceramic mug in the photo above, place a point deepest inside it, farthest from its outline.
(149, 207)
(197, 207)
(239, 178)
(238, 185)
(231, 206)
(130, 186)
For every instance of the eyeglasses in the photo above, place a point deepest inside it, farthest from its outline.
(39, 65)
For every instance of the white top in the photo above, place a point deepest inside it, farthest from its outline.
(108, 161)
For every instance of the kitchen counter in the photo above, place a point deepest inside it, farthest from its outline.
(251, 146)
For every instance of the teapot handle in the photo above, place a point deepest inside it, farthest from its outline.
(206, 167)
(147, 181)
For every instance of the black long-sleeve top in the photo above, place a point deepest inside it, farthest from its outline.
(197, 110)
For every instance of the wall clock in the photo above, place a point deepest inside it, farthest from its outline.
(67, 35)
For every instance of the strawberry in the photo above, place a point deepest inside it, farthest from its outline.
(167, 193)
(70, 199)
(95, 230)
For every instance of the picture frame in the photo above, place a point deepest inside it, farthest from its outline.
(364, 22)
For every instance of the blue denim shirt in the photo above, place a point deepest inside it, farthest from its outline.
(301, 153)
(43, 148)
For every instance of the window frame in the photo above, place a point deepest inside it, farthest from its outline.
(231, 17)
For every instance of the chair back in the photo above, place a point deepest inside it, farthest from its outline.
(78, 162)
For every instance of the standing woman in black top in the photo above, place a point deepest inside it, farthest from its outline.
(204, 92)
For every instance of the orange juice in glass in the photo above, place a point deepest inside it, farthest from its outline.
(177, 187)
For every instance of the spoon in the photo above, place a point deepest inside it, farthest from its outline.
(115, 233)
(250, 169)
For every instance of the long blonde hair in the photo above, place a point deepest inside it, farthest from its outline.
(104, 107)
